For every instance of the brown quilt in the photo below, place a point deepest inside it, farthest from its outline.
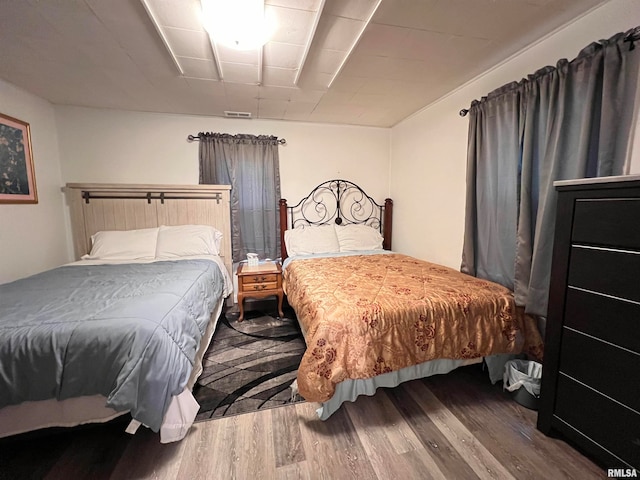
(364, 315)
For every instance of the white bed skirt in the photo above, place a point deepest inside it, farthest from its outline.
(29, 416)
(349, 390)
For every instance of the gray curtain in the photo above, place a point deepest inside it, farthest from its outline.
(250, 164)
(569, 121)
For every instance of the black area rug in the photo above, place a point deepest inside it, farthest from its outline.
(249, 365)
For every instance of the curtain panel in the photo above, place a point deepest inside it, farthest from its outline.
(570, 121)
(250, 164)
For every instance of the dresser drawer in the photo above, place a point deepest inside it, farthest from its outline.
(612, 371)
(610, 222)
(260, 278)
(606, 318)
(609, 424)
(611, 272)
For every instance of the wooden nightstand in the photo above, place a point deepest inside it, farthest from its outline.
(258, 282)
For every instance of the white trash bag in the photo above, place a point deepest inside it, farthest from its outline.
(523, 373)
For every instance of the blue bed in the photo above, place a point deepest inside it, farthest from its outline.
(126, 332)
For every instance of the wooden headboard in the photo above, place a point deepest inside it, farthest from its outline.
(95, 207)
(340, 202)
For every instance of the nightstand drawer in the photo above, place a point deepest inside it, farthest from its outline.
(259, 287)
(260, 278)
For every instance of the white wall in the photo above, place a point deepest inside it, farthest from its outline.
(427, 153)
(132, 147)
(33, 237)
(428, 150)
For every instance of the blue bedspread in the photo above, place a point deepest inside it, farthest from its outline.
(129, 332)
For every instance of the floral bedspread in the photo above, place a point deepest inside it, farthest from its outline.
(365, 315)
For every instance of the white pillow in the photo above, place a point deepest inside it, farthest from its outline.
(311, 239)
(184, 240)
(354, 237)
(123, 244)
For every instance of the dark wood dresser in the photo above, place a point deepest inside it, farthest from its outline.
(591, 373)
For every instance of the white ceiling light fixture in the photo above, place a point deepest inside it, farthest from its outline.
(238, 24)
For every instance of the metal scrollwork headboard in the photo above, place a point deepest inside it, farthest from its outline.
(340, 202)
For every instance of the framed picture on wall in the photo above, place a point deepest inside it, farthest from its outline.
(17, 177)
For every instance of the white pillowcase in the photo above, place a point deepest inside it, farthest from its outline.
(184, 240)
(123, 244)
(311, 239)
(356, 237)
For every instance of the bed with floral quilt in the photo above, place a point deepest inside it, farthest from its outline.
(373, 318)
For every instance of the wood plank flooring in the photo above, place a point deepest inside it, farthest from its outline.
(454, 426)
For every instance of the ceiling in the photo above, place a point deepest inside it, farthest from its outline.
(359, 62)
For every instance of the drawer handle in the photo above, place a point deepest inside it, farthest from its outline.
(259, 279)
(259, 287)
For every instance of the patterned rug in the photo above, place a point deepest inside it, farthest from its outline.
(250, 364)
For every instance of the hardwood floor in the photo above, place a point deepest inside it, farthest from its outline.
(454, 426)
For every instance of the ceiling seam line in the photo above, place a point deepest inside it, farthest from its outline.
(355, 43)
(154, 20)
(307, 47)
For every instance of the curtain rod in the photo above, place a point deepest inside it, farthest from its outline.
(192, 138)
(630, 37)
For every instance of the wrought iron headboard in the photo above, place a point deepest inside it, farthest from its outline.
(341, 202)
